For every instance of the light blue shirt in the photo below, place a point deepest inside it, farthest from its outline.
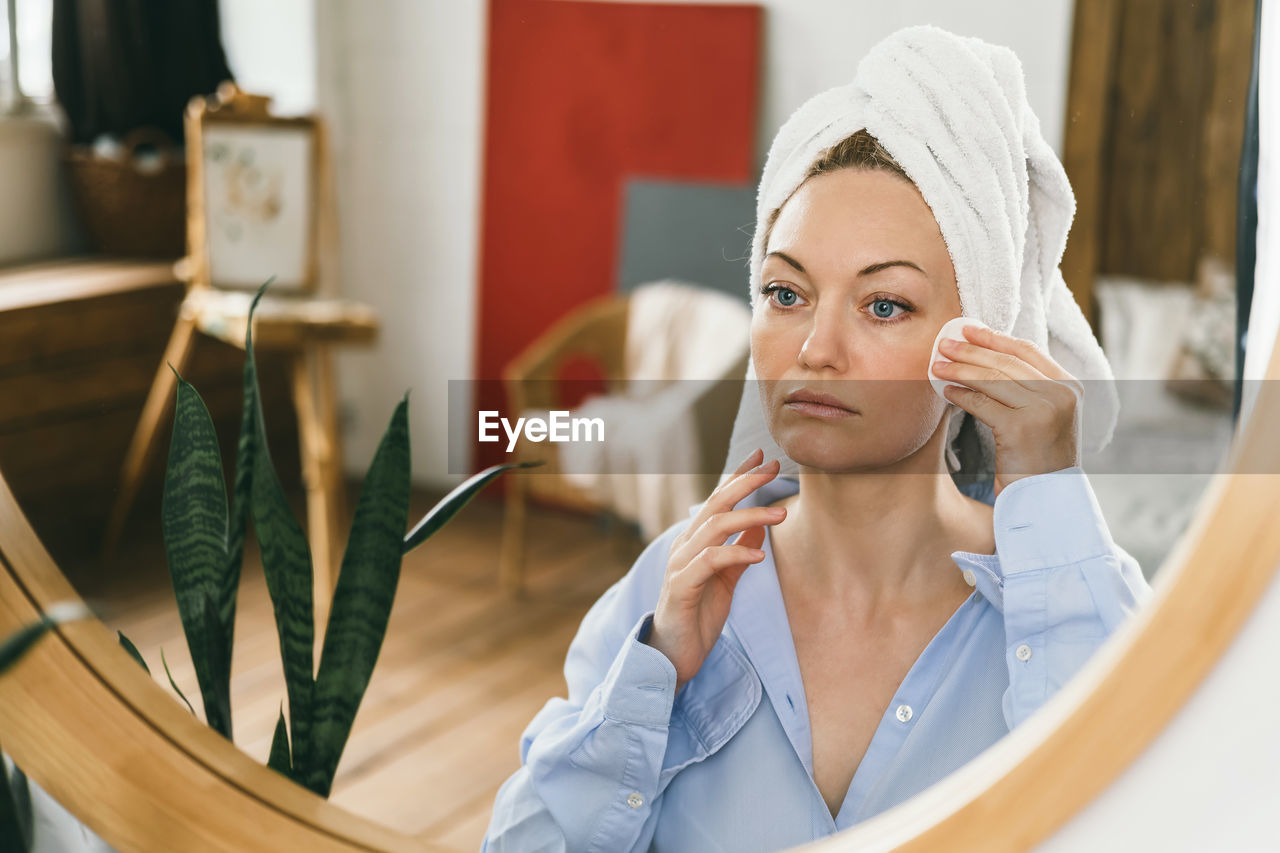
(726, 764)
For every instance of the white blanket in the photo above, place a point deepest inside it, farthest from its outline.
(680, 340)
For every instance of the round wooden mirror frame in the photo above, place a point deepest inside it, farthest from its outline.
(89, 726)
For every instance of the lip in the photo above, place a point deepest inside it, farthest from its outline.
(818, 404)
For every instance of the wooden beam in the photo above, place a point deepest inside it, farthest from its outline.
(1095, 32)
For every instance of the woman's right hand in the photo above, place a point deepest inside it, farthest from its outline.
(703, 571)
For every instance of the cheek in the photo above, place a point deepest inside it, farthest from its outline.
(898, 360)
(902, 391)
(771, 345)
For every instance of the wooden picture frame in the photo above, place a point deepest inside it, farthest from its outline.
(255, 189)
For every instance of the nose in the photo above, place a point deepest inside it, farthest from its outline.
(826, 346)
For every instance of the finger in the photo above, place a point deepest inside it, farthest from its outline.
(986, 372)
(729, 494)
(750, 462)
(990, 381)
(717, 529)
(991, 412)
(733, 574)
(715, 559)
(752, 537)
(1021, 348)
(1044, 417)
(1011, 364)
(746, 482)
(746, 465)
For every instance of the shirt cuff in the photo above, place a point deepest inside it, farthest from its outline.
(1049, 520)
(641, 685)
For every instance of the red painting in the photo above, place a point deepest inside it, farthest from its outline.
(580, 96)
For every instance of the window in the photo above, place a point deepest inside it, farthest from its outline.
(26, 48)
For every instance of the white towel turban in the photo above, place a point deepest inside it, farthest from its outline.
(953, 112)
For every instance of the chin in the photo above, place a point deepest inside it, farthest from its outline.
(825, 449)
(820, 447)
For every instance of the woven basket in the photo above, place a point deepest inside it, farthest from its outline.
(130, 211)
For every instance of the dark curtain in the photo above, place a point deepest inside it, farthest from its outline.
(119, 65)
(1247, 215)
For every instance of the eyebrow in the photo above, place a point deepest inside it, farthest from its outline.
(870, 270)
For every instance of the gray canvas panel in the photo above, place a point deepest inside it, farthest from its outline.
(695, 232)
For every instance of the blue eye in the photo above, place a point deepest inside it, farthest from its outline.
(782, 293)
(883, 308)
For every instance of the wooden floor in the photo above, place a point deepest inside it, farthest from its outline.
(462, 671)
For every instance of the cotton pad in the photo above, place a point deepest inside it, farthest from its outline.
(951, 329)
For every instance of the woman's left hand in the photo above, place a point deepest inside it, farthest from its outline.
(1030, 402)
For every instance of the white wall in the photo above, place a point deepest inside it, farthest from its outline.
(816, 44)
(271, 50)
(403, 82)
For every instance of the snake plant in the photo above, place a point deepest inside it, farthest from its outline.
(204, 545)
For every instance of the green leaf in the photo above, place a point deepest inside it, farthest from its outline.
(194, 517)
(135, 654)
(20, 641)
(174, 684)
(16, 814)
(241, 496)
(449, 505)
(362, 599)
(286, 562)
(279, 758)
(220, 701)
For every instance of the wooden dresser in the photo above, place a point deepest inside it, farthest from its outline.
(80, 341)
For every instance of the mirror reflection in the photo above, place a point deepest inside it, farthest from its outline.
(869, 366)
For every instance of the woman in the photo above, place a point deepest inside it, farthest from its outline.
(873, 626)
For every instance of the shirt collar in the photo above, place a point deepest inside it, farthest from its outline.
(757, 618)
(758, 615)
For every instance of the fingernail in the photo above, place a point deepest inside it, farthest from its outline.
(756, 552)
(777, 511)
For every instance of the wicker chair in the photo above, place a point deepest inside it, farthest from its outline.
(598, 331)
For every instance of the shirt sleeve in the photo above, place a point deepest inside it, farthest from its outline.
(590, 764)
(1067, 586)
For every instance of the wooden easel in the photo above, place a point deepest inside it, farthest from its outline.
(303, 325)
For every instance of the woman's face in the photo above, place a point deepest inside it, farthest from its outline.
(855, 285)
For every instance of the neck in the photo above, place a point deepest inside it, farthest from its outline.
(876, 541)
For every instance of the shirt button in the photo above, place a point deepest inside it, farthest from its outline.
(904, 712)
(635, 801)
(1023, 652)
(969, 577)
